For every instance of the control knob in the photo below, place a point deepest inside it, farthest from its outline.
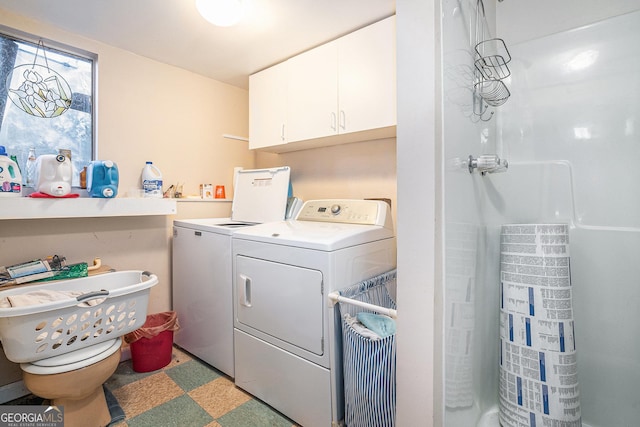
(335, 209)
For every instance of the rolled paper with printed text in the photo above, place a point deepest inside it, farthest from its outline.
(538, 364)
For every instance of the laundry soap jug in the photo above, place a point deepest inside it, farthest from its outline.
(10, 177)
(102, 179)
(53, 175)
(151, 181)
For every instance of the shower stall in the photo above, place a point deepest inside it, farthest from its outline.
(557, 141)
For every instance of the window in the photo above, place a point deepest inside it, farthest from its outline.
(46, 99)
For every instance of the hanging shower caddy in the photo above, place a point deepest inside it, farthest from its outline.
(490, 68)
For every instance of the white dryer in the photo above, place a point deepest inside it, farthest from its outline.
(202, 277)
(287, 345)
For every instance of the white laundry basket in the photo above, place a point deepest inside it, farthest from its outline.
(110, 305)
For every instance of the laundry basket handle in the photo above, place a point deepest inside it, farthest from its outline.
(92, 295)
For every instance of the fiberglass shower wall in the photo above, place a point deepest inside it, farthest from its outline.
(571, 133)
(470, 272)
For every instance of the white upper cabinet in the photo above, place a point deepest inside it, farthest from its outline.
(312, 94)
(343, 91)
(268, 106)
(367, 78)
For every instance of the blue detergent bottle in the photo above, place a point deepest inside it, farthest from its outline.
(102, 179)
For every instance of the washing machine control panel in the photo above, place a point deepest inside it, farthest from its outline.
(368, 212)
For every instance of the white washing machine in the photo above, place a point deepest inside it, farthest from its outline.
(202, 274)
(287, 344)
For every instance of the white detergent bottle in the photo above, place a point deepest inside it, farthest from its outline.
(10, 176)
(151, 181)
(53, 175)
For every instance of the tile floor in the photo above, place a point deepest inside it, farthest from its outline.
(187, 392)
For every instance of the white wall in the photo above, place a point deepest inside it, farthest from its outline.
(419, 284)
(571, 132)
(356, 170)
(469, 319)
(519, 21)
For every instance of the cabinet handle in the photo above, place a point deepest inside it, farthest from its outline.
(343, 120)
(282, 132)
(333, 121)
(245, 291)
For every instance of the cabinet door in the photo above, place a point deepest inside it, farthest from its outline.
(367, 78)
(312, 94)
(268, 107)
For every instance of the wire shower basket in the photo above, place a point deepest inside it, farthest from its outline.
(491, 65)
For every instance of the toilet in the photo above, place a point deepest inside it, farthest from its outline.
(74, 381)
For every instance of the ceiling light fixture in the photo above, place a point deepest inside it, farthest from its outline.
(223, 13)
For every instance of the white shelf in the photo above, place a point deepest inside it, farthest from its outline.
(198, 199)
(83, 207)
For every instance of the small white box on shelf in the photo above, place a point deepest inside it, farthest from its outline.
(206, 191)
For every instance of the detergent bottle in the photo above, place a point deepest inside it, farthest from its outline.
(53, 175)
(10, 177)
(151, 181)
(102, 179)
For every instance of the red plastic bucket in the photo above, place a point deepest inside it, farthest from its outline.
(154, 344)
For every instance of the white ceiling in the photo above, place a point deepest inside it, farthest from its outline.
(172, 31)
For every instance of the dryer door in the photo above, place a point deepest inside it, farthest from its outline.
(280, 300)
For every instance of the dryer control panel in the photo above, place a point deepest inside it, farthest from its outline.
(349, 211)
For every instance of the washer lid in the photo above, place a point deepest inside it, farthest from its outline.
(260, 195)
